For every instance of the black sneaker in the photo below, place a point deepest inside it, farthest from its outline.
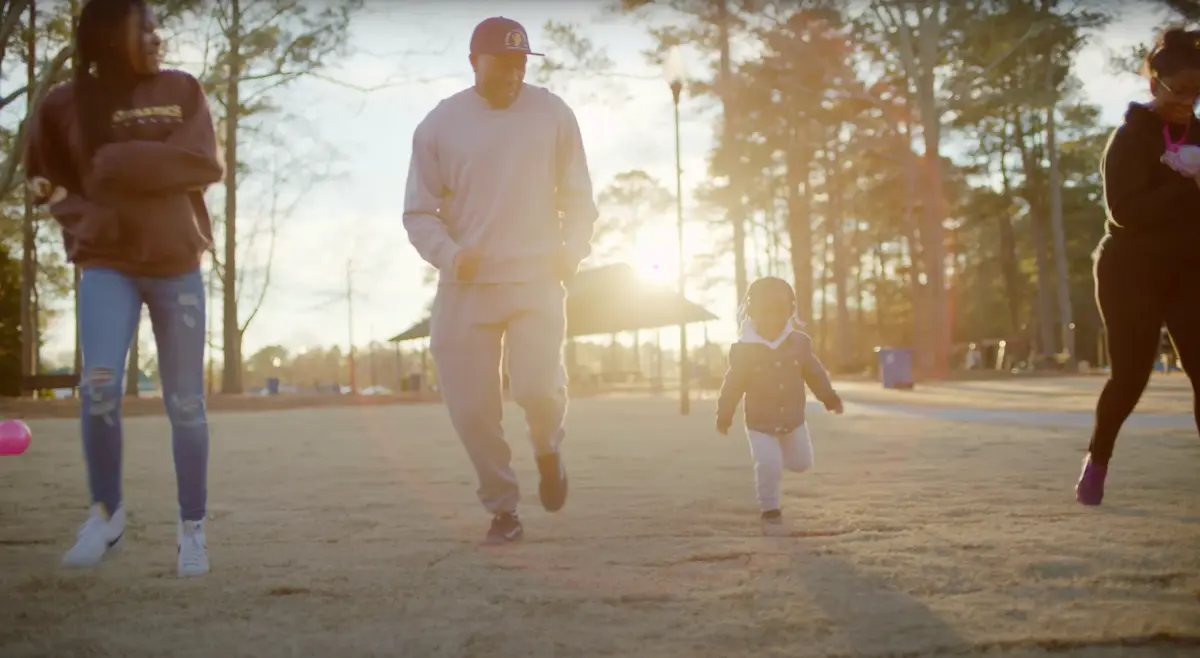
(506, 527)
(552, 489)
(772, 516)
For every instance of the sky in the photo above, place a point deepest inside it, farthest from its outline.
(419, 49)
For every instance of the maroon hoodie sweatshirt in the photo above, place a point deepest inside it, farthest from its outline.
(137, 206)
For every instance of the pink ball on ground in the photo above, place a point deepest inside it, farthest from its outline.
(14, 437)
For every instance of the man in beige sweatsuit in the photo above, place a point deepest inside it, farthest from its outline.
(499, 200)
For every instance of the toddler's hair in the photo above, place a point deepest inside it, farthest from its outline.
(759, 287)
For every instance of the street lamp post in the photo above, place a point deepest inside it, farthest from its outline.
(675, 74)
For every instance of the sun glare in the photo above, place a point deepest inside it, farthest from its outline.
(655, 272)
(654, 256)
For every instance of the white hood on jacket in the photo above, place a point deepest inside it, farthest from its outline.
(748, 334)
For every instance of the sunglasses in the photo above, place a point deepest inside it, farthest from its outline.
(1182, 92)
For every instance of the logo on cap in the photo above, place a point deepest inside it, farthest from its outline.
(514, 39)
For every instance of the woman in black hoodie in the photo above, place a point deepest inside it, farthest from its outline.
(1145, 270)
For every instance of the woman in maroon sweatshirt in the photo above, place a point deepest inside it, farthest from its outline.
(121, 155)
(1146, 273)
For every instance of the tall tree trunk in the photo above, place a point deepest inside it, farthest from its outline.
(823, 327)
(836, 218)
(932, 230)
(1045, 295)
(78, 360)
(212, 275)
(1065, 322)
(800, 225)
(1008, 248)
(725, 80)
(637, 353)
(37, 325)
(231, 373)
(774, 234)
(757, 250)
(859, 327)
(880, 322)
(29, 336)
(132, 368)
(921, 339)
(934, 251)
(1036, 199)
(739, 255)
(659, 375)
(916, 290)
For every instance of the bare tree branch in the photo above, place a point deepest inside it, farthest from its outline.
(12, 97)
(278, 80)
(293, 173)
(8, 172)
(273, 233)
(966, 83)
(387, 84)
(12, 19)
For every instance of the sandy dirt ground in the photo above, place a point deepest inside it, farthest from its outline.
(153, 405)
(354, 531)
(1165, 394)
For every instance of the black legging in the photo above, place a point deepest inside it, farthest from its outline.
(1137, 295)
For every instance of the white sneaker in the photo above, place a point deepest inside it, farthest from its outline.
(193, 549)
(96, 537)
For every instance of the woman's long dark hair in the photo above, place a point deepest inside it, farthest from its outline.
(103, 75)
(1176, 49)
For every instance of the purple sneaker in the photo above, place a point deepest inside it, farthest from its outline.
(1090, 488)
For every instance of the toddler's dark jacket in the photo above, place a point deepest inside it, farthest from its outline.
(771, 376)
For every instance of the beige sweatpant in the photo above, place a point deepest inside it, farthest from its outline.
(473, 328)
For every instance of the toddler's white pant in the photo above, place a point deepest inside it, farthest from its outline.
(773, 453)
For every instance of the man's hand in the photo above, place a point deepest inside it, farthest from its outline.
(466, 263)
(565, 265)
(723, 428)
(835, 406)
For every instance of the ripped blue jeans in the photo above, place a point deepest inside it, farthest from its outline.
(110, 306)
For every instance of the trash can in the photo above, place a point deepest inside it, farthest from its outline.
(895, 367)
(273, 386)
(414, 382)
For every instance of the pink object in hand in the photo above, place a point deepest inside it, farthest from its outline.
(14, 437)
(1181, 156)
(1185, 160)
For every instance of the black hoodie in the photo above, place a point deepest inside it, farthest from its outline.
(1148, 203)
(137, 204)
